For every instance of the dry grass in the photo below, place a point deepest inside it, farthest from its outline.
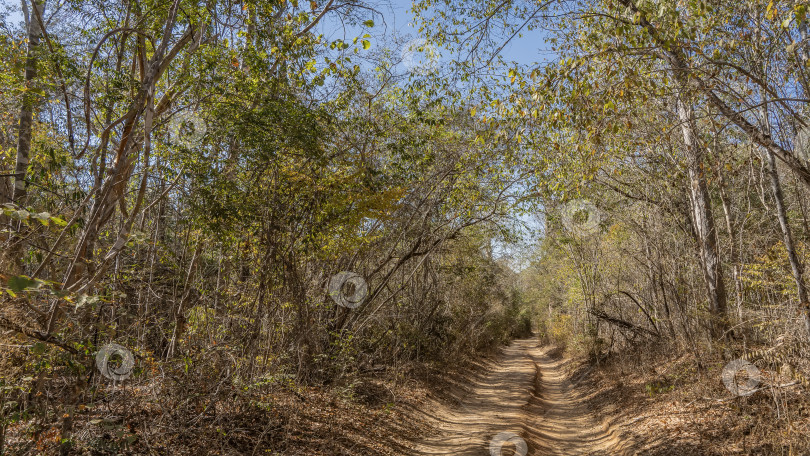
(672, 404)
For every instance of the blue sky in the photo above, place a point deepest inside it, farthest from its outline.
(522, 50)
(398, 22)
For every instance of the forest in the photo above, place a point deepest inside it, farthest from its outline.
(512, 227)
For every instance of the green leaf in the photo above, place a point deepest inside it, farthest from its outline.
(366, 44)
(369, 23)
(43, 217)
(20, 283)
(38, 348)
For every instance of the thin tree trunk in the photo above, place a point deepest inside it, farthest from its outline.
(690, 80)
(698, 189)
(795, 264)
(805, 56)
(800, 200)
(28, 100)
(703, 219)
(733, 253)
(112, 191)
(14, 251)
(787, 234)
(179, 318)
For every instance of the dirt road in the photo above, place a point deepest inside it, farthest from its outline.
(525, 405)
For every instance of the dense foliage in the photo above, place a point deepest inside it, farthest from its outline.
(186, 179)
(245, 203)
(669, 146)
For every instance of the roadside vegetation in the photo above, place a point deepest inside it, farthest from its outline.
(228, 229)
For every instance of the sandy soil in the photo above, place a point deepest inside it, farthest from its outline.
(526, 404)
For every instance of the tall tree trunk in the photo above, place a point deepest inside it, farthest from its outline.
(795, 264)
(14, 252)
(698, 190)
(733, 252)
(702, 218)
(110, 195)
(804, 55)
(787, 234)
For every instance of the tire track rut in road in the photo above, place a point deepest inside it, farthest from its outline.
(527, 395)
